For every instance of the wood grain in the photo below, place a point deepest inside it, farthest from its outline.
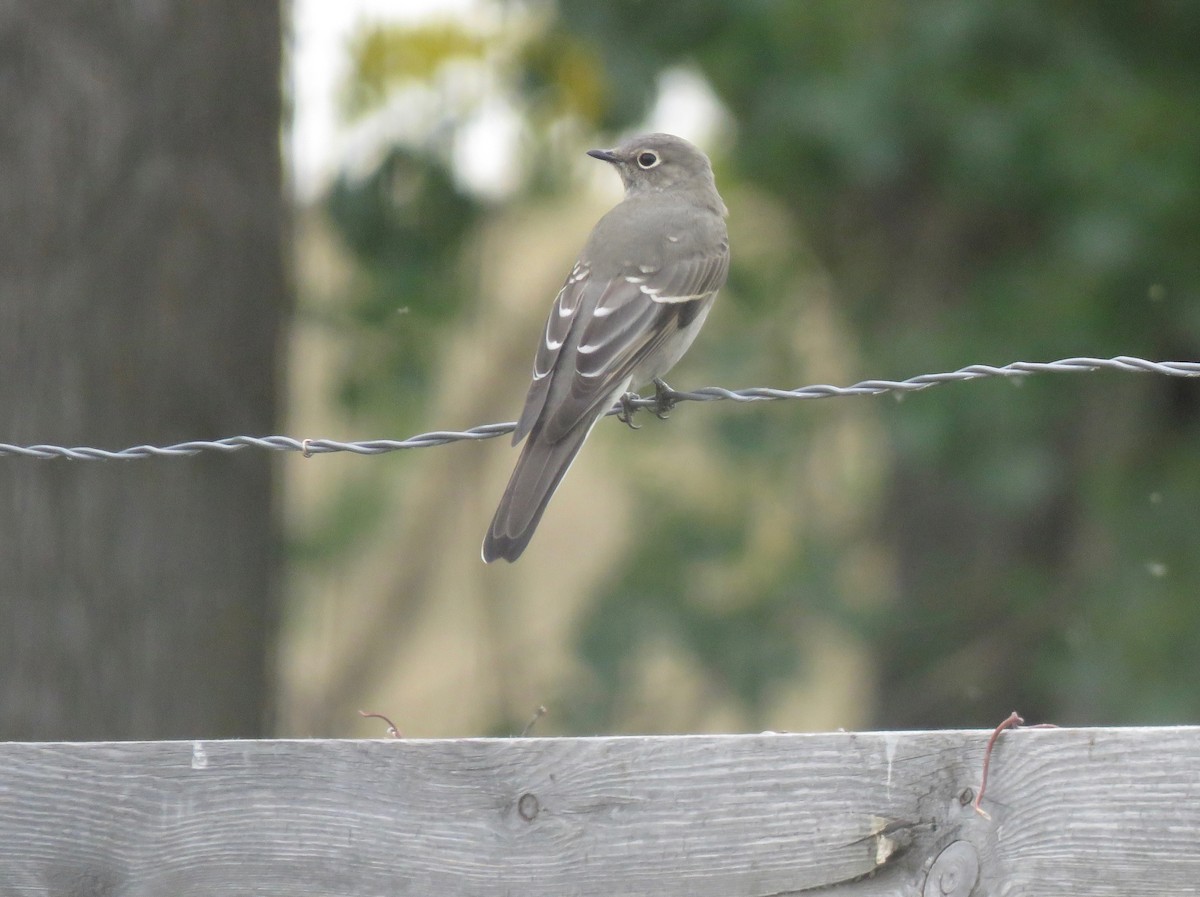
(1075, 811)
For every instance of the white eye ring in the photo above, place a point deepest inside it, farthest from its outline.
(647, 159)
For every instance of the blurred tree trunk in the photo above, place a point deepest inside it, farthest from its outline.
(142, 293)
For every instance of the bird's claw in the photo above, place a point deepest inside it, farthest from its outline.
(664, 399)
(628, 409)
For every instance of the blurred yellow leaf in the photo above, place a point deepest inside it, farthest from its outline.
(567, 72)
(383, 57)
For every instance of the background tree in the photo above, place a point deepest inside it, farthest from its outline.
(141, 299)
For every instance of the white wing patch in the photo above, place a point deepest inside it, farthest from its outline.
(671, 300)
(653, 294)
(558, 325)
(551, 343)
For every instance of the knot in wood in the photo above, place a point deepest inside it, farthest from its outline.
(528, 807)
(954, 872)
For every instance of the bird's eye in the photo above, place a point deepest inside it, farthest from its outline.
(647, 159)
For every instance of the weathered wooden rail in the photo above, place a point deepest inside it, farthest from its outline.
(1074, 811)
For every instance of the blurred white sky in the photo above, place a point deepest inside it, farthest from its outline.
(320, 31)
(320, 143)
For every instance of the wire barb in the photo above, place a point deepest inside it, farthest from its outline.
(310, 447)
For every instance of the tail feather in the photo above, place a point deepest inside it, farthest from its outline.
(539, 470)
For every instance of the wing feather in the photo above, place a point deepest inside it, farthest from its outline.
(600, 330)
(634, 316)
(563, 315)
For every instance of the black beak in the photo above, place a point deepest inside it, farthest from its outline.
(602, 155)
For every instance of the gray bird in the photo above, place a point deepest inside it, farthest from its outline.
(630, 308)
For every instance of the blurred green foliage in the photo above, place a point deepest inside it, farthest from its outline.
(983, 181)
(986, 181)
(405, 224)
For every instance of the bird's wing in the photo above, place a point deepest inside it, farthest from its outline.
(635, 313)
(563, 316)
(641, 309)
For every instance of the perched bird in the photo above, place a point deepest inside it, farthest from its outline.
(630, 308)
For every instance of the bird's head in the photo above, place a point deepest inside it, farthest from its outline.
(659, 162)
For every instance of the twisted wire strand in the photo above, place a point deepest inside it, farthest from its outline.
(308, 447)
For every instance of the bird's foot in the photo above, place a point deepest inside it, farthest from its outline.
(664, 399)
(628, 410)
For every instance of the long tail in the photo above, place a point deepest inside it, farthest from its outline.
(539, 470)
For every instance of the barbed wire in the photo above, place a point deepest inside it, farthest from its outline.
(308, 447)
